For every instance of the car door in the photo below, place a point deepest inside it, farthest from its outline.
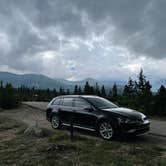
(66, 110)
(83, 113)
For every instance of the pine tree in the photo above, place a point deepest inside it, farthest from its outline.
(140, 85)
(91, 90)
(87, 88)
(61, 91)
(68, 91)
(110, 93)
(160, 101)
(162, 91)
(54, 92)
(126, 91)
(129, 89)
(79, 90)
(103, 93)
(114, 91)
(144, 94)
(76, 90)
(1, 85)
(97, 90)
(1, 89)
(9, 98)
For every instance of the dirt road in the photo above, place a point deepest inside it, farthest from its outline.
(30, 115)
(158, 127)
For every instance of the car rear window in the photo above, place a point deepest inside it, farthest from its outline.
(80, 103)
(68, 102)
(56, 102)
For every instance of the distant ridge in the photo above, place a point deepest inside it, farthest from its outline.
(30, 80)
(43, 82)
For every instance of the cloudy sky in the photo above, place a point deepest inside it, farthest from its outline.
(75, 39)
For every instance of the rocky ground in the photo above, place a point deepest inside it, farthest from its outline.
(26, 138)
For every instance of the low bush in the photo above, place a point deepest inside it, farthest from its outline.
(8, 97)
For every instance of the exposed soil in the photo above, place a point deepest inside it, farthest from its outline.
(31, 116)
(28, 115)
(56, 148)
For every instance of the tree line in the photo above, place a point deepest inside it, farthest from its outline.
(137, 94)
(8, 96)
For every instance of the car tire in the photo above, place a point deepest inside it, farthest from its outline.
(55, 122)
(106, 130)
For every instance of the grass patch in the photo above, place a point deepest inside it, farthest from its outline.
(7, 123)
(11, 124)
(57, 149)
(90, 152)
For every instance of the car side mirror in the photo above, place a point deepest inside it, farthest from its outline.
(90, 109)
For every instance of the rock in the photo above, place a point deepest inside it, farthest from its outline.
(34, 130)
(56, 147)
(138, 148)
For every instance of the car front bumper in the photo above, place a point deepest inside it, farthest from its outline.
(136, 128)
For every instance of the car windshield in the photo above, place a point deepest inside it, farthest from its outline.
(101, 102)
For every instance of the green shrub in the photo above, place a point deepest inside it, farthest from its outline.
(8, 97)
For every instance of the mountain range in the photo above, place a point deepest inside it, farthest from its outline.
(43, 82)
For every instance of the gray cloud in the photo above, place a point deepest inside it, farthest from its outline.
(138, 25)
(80, 33)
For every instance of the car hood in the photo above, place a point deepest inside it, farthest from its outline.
(126, 112)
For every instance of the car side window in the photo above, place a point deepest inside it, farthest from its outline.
(81, 103)
(56, 102)
(68, 102)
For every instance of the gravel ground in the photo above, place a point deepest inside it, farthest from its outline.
(158, 127)
(31, 116)
(28, 115)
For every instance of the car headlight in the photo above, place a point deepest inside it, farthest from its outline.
(126, 120)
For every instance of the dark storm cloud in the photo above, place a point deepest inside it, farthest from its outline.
(24, 38)
(139, 25)
(30, 27)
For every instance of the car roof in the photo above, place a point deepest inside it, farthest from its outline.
(78, 96)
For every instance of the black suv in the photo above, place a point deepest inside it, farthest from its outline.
(96, 114)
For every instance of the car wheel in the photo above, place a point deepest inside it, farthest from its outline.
(55, 122)
(106, 130)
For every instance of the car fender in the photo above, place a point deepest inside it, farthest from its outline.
(99, 120)
(113, 121)
(52, 112)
